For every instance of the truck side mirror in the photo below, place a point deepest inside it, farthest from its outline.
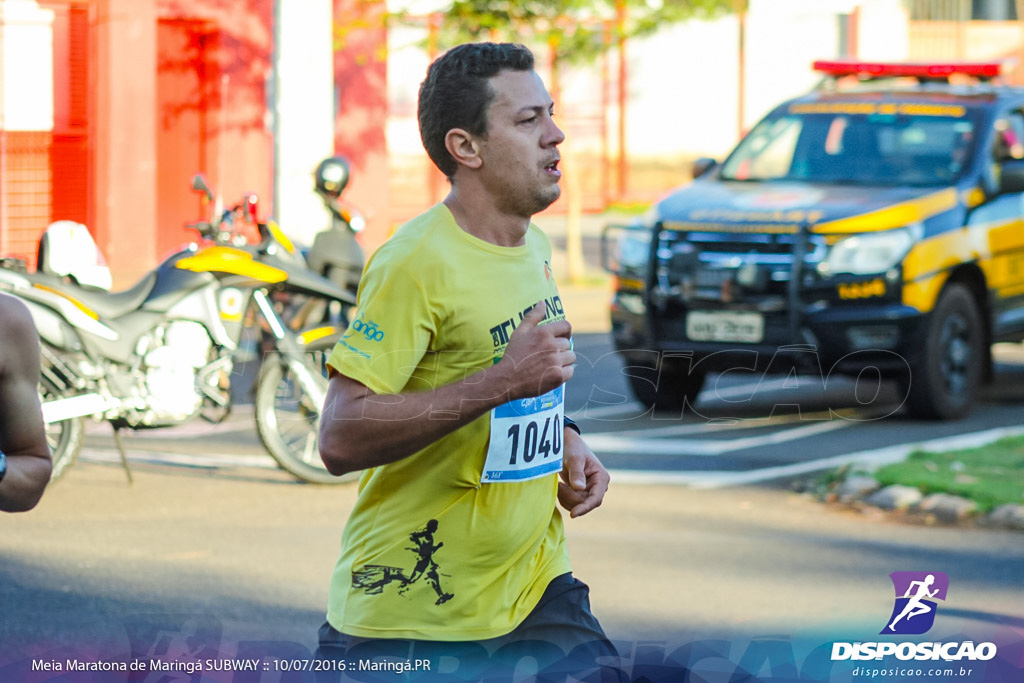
(702, 166)
(1012, 176)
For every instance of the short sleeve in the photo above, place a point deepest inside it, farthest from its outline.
(390, 333)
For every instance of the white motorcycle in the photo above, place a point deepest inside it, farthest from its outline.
(161, 353)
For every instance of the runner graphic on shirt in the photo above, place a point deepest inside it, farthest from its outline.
(373, 577)
(426, 566)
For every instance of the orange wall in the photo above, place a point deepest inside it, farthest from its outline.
(214, 62)
(123, 135)
(361, 109)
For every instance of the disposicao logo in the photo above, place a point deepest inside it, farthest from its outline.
(913, 613)
(916, 593)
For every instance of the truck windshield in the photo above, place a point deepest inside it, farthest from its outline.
(830, 143)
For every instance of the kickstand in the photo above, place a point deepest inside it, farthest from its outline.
(124, 456)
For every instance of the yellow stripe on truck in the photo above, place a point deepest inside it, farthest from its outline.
(895, 216)
(922, 294)
(1004, 271)
(939, 253)
(997, 249)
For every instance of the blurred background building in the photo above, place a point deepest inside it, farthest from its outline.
(108, 107)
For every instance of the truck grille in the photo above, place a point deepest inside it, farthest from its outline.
(732, 267)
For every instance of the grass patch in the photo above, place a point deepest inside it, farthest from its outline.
(990, 475)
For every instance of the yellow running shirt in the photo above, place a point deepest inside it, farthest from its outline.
(440, 546)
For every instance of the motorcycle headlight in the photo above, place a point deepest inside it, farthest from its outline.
(870, 253)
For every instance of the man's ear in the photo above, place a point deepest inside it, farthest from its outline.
(463, 148)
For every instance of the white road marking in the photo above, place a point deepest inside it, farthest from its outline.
(596, 411)
(654, 441)
(732, 424)
(202, 460)
(870, 459)
(640, 443)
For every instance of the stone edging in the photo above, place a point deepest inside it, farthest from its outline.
(864, 490)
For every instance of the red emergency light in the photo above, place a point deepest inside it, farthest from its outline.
(943, 70)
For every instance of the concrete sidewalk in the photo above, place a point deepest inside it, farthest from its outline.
(586, 306)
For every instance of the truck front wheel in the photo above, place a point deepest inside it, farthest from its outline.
(945, 376)
(667, 388)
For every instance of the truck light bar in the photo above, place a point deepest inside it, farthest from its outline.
(982, 70)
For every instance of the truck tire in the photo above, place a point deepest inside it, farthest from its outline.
(667, 390)
(945, 376)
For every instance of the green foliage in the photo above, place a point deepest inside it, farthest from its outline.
(991, 475)
(576, 30)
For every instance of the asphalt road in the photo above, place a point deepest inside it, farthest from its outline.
(232, 556)
(749, 428)
(214, 550)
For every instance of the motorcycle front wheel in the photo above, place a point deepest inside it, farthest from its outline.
(288, 414)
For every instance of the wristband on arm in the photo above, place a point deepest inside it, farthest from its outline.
(571, 424)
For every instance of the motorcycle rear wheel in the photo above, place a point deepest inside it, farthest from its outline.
(288, 415)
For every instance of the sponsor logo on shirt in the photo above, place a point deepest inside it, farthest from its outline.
(369, 329)
(503, 330)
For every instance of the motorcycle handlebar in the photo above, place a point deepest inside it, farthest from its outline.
(223, 226)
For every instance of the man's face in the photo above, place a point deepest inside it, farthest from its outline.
(520, 154)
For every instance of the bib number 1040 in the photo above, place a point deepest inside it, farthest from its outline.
(544, 441)
(526, 439)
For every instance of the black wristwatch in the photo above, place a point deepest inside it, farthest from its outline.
(3, 465)
(571, 424)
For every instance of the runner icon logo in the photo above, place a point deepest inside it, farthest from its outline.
(914, 610)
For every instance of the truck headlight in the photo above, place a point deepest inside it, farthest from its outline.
(868, 253)
(634, 248)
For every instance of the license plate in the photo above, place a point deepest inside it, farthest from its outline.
(725, 326)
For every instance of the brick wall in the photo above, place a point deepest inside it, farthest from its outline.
(25, 190)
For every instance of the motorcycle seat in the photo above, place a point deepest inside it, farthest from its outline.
(110, 304)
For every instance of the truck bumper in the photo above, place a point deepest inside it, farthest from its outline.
(844, 338)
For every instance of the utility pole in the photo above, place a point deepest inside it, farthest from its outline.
(741, 75)
(620, 13)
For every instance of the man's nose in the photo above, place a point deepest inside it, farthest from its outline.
(555, 135)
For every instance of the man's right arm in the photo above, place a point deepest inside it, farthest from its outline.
(361, 429)
(22, 431)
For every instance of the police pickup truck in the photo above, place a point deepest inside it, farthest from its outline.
(874, 225)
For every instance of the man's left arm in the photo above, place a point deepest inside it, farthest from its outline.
(22, 431)
(584, 480)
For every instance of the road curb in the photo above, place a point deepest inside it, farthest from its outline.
(863, 492)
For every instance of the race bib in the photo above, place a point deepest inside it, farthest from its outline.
(526, 439)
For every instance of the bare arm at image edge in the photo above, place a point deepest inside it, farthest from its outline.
(22, 432)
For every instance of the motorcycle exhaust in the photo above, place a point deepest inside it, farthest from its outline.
(75, 406)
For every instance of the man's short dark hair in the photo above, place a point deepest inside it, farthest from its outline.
(456, 93)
